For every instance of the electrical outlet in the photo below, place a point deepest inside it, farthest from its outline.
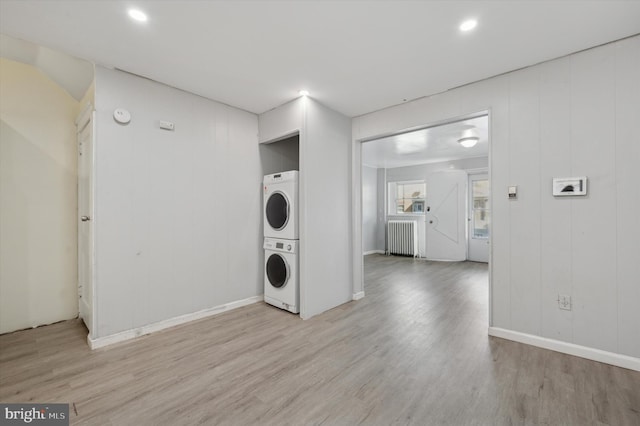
(564, 302)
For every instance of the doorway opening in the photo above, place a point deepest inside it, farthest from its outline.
(428, 179)
(43, 91)
(435, 182)
(478, 233)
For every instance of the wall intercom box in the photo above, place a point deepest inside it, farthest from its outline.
(571, 186)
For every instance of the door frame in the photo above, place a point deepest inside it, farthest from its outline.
(88, 114)
(470, 175)
(356, 203)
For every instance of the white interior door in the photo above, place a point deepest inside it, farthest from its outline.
(85, 217)
(445, 215)
(479, 218)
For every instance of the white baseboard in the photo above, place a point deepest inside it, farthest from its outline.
(100, 342)
(612, 358)
(366, 253)
(357, 296)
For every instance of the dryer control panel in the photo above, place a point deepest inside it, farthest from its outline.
(275, 244)
(291, 175)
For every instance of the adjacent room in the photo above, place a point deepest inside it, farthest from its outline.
(425, 192)
(358, 212)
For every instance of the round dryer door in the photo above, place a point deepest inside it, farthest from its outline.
(277, 210)
(277, 271)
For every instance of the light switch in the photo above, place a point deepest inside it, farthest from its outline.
(167, 125)
(513, 192)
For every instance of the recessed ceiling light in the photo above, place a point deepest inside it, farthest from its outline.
(138, 15)
(468, 25)
(303, 93)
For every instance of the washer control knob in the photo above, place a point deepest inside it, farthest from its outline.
(289, 247)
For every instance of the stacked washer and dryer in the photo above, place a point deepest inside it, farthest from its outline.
(281, 243)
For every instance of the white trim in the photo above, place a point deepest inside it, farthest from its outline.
(470, 217)
(618, 360)
(436, 123)
(357, 259)
(357, 296)
(366, 253)
(171, 322)
(302, 207)
(88, 118)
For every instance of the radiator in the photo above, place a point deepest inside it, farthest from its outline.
(402, 237)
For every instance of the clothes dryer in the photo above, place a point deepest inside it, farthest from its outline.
(281, 205)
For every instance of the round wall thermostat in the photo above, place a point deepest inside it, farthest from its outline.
(122, 116)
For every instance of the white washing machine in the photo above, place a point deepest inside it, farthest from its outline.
(281, 205)
(281, 286)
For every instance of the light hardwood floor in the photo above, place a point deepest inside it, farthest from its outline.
(415, 350)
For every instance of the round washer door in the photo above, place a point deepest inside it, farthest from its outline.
(277, 270)
(277, 210)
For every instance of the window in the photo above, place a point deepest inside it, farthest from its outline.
(480, 215)
(407, 197)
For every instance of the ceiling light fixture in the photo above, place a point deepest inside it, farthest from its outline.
(303, 93)
(469, 142)
(137, 15)
(468, 25)
(469, 138)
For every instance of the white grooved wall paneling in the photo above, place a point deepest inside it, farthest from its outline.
(573, 116)
(178, 213)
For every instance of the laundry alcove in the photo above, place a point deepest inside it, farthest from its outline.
(323, 141)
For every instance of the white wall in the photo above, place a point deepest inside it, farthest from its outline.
(325, 197)
(569, 117)
(178, 213)
(370, 209)
(38, 202)
(282, 121)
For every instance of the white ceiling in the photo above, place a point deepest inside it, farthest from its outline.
(353, 56)
(432, 145)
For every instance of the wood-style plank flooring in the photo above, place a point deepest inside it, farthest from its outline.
(415, 350)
